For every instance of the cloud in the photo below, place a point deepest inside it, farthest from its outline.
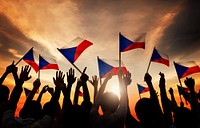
(182, 38)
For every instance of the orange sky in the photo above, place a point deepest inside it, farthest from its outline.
(47, 25)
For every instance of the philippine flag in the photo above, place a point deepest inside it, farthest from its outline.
(50, 64)
(126, 44)
(184, 69)
(109, 65)
(142, 89)
(160, 57)
(72, 53)
(29, 58)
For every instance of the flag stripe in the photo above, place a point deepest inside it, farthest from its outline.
(145, 90)
(183, 71)
(80, 48)
(159, 57)
(162, 60)
(135, 45)
(32, 64)
(191, 70)
(127, 44)
(29, 58)
(142, 89)
(105, 68)
(114, 70)
(50, 66)
(43, 64)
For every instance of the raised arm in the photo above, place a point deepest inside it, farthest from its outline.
(84, 78)
(77, 90)
(16, 93)
(122, 109)
(36, 85)
(130, 122)
(44, 90)
(11, 68)
(147, 79)
(101, 91)
(190, 83)
(173, 101)
(165, 101)
(59, 83)
(94, 82)
(70, 80)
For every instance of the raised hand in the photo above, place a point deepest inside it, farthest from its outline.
(44, 89)
(59, 80)
(94, 81)
(70, 76)
(11, 68)
(147, 78)
(24, 75)
(50, 90)
(127, 79)
(171, 91)
(84, 77)
(36, 84)
(162, 80)
(109, 76)
(189, 82)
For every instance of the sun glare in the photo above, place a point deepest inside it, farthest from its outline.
(113, 86)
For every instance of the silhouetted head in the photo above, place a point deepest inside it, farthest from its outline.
(51, 108)
(31, 110)
(4, 93)
(109, 102)
(147, 113)
(183, 118)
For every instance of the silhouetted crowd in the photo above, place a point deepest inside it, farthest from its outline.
(150, 112)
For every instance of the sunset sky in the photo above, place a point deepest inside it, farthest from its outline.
(171, 26)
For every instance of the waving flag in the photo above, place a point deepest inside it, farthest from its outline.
(184, 69)
(108, 65)
(72, 54)
(160, 57)
(126, 44)
(29, 58)
(50, 64)
(142, 89)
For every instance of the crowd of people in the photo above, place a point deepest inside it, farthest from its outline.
(115, 111)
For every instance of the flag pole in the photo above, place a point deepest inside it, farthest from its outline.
(180, 84)
(99, 73)
(119, 53)
(20, 59)
(39, 74)
(149, 62)
(148, 66)
(77, 68)
(74, 65)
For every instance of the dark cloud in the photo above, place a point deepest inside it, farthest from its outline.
(182, 38)
(12, 38)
